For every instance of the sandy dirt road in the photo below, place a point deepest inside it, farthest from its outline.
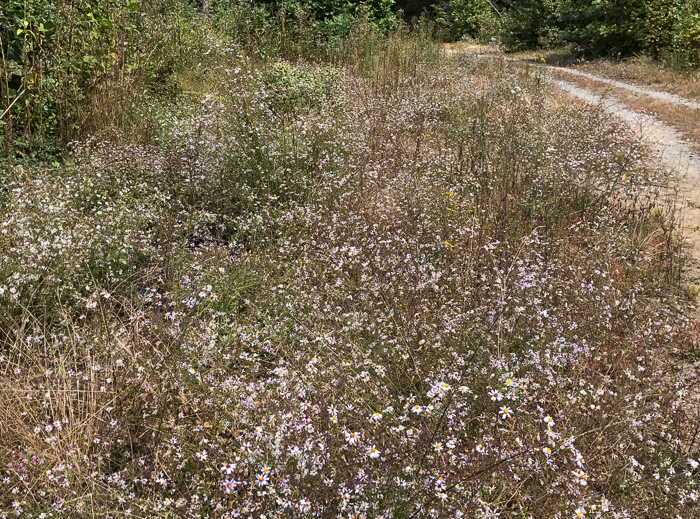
(638, 89)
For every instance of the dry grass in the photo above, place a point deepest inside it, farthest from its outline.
(647, 73)
(472, 48)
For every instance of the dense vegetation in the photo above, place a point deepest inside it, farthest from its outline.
(667, 29)
(62, 62)
(70, 69)
(299, 262)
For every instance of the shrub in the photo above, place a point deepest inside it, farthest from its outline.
(474, 18)
(244, 21)
(615, 28)
(528, 23)
(619, 28)
(297, 89)
(70, 61)
(687, 37)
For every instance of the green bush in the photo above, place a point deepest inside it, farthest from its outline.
(474, 18)
(300, 88)
(619, 27)
(602, 28)
(528, 23)
(242, 20)
(68, 61)
(658, 25)
(686, 39)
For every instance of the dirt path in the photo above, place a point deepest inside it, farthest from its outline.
(671, 151)
(656, 94)
(665, 140)
(479, 52)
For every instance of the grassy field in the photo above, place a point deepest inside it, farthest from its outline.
(390, 283)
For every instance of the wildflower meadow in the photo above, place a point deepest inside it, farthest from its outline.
(382, 282)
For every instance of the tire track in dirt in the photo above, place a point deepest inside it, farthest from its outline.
(666, 141)
(656, 94)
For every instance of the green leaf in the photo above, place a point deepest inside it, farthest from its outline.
(19, 31)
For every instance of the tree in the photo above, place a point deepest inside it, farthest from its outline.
(476, 18)
(526, 23)
(619, 27)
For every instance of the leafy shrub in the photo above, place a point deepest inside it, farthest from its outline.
(612, 28)
(297, 89)
(619, 27)
(475, 18)
(527, 23)
(71, 60)
(243, 20)
(658, 25)
(687, 37)
(338, 27)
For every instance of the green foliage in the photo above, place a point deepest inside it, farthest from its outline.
(27, 32)
(620, 26)
(658, 23)
(659, 28)
(301, 88)
(528, 23)
(686, 38)
(73, 68)
(242, 20)
(272, 26)
(67, 61)
(378, 12)
(338, 26)
(474, 18)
